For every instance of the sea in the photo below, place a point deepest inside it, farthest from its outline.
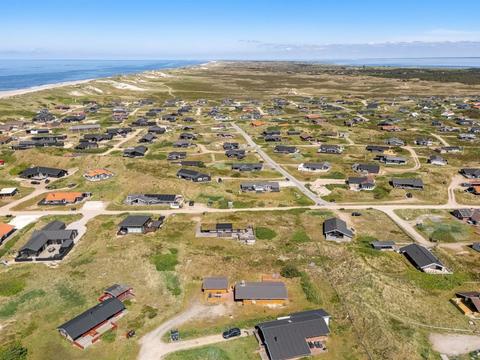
(22, 74)
(430, 62)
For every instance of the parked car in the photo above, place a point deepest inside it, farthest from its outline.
(35, 182)
(356, 213)
(230, 333)
(174, 335)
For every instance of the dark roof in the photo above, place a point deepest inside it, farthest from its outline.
(313, 165)
(370, 168)
(420, 256)
(285, 338)
(52, 231)
(224, 226)
(135, 221)
(42, 170)
(382, 244)
(336, 224)
(116, 289)
(476, 246)
(264, 290)
(92, 318)
(407, 182)
(54, 225)
(215, 283)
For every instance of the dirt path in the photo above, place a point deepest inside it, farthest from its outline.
(400, 169)
(454, 344)
(120, 143)
(152, 347)
(456, 181)
(439, 138)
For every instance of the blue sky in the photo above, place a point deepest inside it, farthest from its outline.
(254, 29)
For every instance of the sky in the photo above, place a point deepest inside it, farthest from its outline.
(234, 29)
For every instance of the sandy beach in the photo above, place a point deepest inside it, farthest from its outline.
(10, 93)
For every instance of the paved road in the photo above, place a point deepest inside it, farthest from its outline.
(281, 170)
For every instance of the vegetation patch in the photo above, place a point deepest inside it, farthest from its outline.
(300, 236)
(264, 233)
(11, 286)
(13, 351)
(310, 290)
(172, 283)
(11, 307)
(165, 262)
(70, 296)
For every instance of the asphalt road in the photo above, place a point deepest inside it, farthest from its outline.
(281, 170)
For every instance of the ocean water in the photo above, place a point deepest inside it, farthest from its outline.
(21, 74)
(433, 62)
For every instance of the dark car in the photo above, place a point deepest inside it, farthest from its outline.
(35, 182)
(356, 213)
(230, 333)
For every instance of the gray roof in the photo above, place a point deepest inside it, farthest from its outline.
(264, 290)
(407, 182)
(166, 198)
(465, 213)
(42, 170)
(370, 168)
(54, 225)
(313, 165)
(476, 246)
(247, 166)
(135, 221)
(52, 231)
(92, 318)
(420, 256)
(336, 224)
(215, 283)
(116, 289)
(382, 244)
(285, 338)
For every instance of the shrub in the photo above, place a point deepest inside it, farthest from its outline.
(300, 236)
(109, 336)
(13, 351)
(308, 287)
(440, 235)
(165, 262)
(380, 192)
(71, 296)
(172, 283)
(264, 233)
(290, 271)
(11, 286)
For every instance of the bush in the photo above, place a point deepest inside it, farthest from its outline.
(380, 192)
(109, 336)
(264, 233)
(11, 286)
(290, 271)
(165, 262)
(440, 235)
(172, 283)
(308, 287)
(13, 351)
(300, 236)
